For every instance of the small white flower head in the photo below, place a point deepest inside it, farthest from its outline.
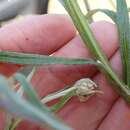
(86, 88)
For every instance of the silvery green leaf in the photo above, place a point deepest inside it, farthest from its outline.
(16, 105)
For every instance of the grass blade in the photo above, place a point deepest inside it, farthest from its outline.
(87, 36)
(33, 98)
(83, 26)
(124, 37)
(30, 93)
(14, 104)
(31, 59)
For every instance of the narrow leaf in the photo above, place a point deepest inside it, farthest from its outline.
(30, 93)
(31, 59)
(87, 36)
(13, 103)
(33, 98)
(124, 37)
(83, 28)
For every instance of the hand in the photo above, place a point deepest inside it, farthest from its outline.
(55, 34)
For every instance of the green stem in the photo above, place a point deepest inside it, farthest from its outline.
(88, 9)
(13, 124)
(85, 32)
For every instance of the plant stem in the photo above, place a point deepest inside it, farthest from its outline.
(14, 124)
(85, 32)
(88, 9)
(57, 95)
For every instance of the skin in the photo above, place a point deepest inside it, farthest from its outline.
(56, 34)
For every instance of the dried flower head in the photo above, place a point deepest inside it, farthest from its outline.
(86, 88)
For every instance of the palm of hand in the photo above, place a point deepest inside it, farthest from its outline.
(56, 34)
